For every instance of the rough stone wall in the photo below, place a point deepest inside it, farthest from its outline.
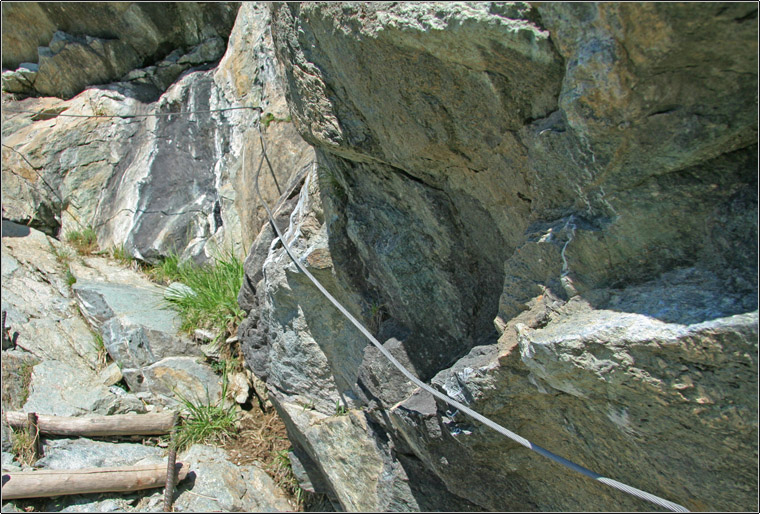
(57, 49)
(549, 211)
(160, 183)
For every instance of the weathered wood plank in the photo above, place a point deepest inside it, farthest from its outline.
(94, 426)
(43, 483)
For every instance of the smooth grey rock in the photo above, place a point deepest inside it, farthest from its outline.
(85, 453)
(41, 315)
(193, 380)
(8, 461)
(59, 389)
(137, 327)
(220, 485)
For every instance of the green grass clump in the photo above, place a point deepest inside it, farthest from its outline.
(121, 254)
(206, 423)
(213, 301)
(269, 118)
(63, 255)
(85, 241)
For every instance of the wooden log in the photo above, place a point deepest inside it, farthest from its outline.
(98, 426)
(43, 483)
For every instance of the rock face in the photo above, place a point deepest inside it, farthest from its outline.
(160, 183)
(79, 44)
(548, 212)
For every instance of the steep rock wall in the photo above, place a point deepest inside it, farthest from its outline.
(58, 49)
(161, 182)
(550, 212)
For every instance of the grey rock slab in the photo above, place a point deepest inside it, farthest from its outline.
(188, 376)
(9, 463)
(85, 453)
(219, 485)
(601, 376)
(137, 327)
(349, 461)
(59, 389)
(40, 309)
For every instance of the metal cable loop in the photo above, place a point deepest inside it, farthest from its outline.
(489, 423)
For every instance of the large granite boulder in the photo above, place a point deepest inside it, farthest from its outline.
(550, 212)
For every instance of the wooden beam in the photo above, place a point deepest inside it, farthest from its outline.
(43, 483)
(98, 426)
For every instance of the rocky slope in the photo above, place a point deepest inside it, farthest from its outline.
(547, 211)
(53, 365)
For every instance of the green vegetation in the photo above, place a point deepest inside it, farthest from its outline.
(281, 470)
(120, 254)
(100, 347)
(329, 183)
(206, 423)
(227, 364)
(211, 300)
(25, 372)
(23, 446)
(63, 255)
(269, 118)
(70, 278)
(377, 313)
(340, 410)
(85, 241)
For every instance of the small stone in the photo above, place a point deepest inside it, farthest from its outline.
(239, 387)
(204, 335)
(110, 375)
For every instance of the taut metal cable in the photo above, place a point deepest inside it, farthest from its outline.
(463, 408)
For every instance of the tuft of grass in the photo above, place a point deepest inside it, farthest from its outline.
(70, 278)
(340, 410)
(121, 254)
(212, 301)
(25, 371)
(85, 241)
(23, 446)
(377, 314)
(269, 118)
(206, 423)
(63, 255)
(167, 270)
(100, 347)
